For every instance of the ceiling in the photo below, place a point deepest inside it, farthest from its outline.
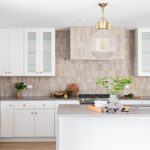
(62, 14)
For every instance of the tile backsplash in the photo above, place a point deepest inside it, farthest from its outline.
(82, 72)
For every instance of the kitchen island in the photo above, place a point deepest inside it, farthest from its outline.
(82, 129)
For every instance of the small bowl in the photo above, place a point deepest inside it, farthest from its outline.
(100, 103)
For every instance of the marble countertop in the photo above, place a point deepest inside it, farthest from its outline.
(55, 98)
(141, 98)
(82, 110)
(35, 98)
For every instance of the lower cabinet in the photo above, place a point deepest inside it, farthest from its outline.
(44, 123)
(30, 118)
(34, 119)
(7, 118)
(24, 123)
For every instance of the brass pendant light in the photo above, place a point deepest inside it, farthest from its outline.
(102, 42)
(103, 24)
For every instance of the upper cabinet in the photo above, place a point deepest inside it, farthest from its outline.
(142, 54)
(27, 52)
(11, 52)
(39, 52)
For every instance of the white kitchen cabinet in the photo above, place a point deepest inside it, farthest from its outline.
(34, 119)
(44, 118)
(15, 52)
(3, 52)
(63, 102)
(44, 123)
(24, 119)
(39, 52)
(24, 123)
(7, 118)
(30, 118)
(11, 52)
(142, 52)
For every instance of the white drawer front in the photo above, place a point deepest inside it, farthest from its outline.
(67, 102)
(44, 104)
(24, 105)
(131, 102)
(146, 102)
(7, 104)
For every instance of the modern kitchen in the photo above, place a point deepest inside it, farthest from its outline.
(74, 75)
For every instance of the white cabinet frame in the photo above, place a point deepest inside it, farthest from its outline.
(138, 51)
(39, 51)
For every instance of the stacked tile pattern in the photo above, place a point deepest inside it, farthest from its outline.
(82, 72)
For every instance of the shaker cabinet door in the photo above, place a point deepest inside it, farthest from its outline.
(3, 52)
(24, 123)
(44, 123)
(7, 119)
(11, 52)
(15, 52)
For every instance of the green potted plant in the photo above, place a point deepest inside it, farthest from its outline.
(114, 85)
(20, 86)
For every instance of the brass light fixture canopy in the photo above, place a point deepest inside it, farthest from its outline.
(103, 40)
(103, 24)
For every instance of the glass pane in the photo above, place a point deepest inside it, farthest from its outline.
(46, 52)
(146, 52)
(32, 52)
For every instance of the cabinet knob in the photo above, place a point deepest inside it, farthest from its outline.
(10, 105)
(43, 104)
(37, 72)
(35, 112)
(32, 113)
(41, 72)
(23, 105)
(5, 72)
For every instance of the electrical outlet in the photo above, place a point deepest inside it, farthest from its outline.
(29, 87)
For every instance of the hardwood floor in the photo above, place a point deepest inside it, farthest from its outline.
(28, 146)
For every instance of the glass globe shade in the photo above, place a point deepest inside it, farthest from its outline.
(103, 44)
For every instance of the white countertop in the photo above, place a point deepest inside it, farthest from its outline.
(8, 98)
(82, 110)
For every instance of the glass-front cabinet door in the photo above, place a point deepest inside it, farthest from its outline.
(47, 52)
(142, 52)
(40, 52)
(31, 52)
(145, 59)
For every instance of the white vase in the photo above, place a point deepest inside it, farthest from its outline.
(113, 99)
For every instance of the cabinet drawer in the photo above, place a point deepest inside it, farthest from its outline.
(44, 104)
(7, 104)
(24, 105)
